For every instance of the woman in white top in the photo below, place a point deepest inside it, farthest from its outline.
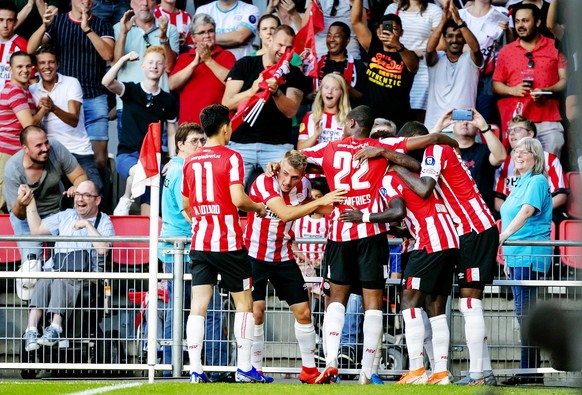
(419, 19)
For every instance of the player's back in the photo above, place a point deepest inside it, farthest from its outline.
(208, 175)
(457, 188)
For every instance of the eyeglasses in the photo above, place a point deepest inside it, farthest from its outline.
(200, 140)
(85, 196)
(147, 40)
(516, 129)
(519, 152)
(530, 63)
(150, 101)
(209, 32)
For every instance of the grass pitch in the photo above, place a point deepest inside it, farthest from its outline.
(49, 387)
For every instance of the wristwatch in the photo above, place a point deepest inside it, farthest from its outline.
(402, 48)
(486, 130)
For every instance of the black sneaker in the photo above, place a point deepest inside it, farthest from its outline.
(347, 358)
(524, 379)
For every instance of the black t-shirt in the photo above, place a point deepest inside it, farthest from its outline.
(271, 126)
(476, 158)
(387, 84)
(137, 115)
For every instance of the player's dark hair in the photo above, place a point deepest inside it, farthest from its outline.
(537, 14)
(320, 184)
(364, 116)
(24, 133)
(413, 128)
(449, 23)
(10, 6)
(213, 118)
(344, 28)
(17, 54)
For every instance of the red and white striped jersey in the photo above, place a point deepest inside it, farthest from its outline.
(7, 48)
(269, 239)
(505, 177)
(180, 19)
(331, 129)
(312, 228)
(208, 175)
(457, 188)
(361, 180)
(427, 219)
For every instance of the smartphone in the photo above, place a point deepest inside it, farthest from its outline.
(387, 25)
(462, 115)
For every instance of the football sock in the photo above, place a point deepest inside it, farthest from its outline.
(333, 322)
(472, 311)
(414, 330)
(305, 334)
(194, 340)
(372, 329)
(244, 326)
(440, 343)
(258, 347)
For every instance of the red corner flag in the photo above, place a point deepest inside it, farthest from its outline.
(148, 165)
(305, 40)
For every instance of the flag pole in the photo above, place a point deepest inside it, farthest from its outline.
(152, 320)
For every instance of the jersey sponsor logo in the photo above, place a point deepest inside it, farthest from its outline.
(383, 191)
(429, 161)
(300, 197)
(271, 213)
(252, 19)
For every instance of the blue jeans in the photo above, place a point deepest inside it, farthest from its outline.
(20, 227)
(352, 330)
(110, 12)
(216, 349)
(87, 162)
(524, 299)
(96, 114)
(257, 155)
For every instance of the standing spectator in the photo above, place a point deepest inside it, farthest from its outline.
(212, 194)
(453, 74)
(390, 73)
(419, 20)
(532, 53)
(266, 26)
(542, 5)
(200, 74)
(179, 18)
(110, 11)
(257, 144)
(40, 165)
(10, 42)
(338, 11)
(526, 214)
(236, 24)
(85, 45)
(286, 12)
(488, 23)
(339, 60)
(62, 99)
(330, 109)
(144, 103)
(506, 177)
(288, 197)
(482, 159)
(17, 110)
(57, 297)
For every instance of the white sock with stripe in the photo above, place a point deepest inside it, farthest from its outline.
(244, 326)
(440, 343)
(305, 334)
(258, 347)
(195, 340)
(472, 311)
(414, 330)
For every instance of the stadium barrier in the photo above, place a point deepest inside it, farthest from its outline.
(106, 331)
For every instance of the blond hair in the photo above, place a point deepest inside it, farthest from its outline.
(296, 159)
(343, 104)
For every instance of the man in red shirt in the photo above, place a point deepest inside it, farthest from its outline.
(213, 192)
(200, 74)
(269, 240)
(532, 56)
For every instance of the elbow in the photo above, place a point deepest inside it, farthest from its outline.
(424, 193)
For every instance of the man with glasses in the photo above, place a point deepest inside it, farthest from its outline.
(200, 74)
(36, 171)
(529, 76)
(505, 179)
(453, 74)
(144, 103)
(58, 296)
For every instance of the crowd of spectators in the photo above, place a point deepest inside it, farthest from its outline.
(78, 65)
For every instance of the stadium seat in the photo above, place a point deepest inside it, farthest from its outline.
(9, 253)
(573, 206)
(128, 253)
(571, 230)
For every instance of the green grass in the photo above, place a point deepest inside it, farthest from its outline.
(48, 387)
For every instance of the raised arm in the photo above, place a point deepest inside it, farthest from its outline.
(34, 222)
(38, 37)
(358, 19)
(109, 79)
(470, 39)
(422, 186)
(103, 46)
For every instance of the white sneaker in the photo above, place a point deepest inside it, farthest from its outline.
(123, 206)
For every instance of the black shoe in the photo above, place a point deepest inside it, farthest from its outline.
(347, 358)
(224, 377)
(524, 379)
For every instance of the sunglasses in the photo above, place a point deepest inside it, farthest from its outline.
(147, 40)
(530, 63)
(150, 100)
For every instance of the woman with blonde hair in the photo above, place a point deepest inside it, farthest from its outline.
(330, 108)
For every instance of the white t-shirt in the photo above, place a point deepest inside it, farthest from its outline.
(241, 14)
(67, 88)
(451, 85)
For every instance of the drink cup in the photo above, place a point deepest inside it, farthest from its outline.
(527, 76)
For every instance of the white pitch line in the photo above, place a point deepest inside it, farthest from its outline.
(102, 390)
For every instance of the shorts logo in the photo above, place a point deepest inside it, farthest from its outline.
(473, 274)
(247, 284)
(412, 283)
(429, 161)
(252, 19)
